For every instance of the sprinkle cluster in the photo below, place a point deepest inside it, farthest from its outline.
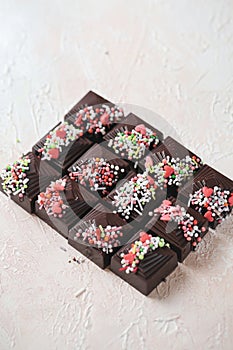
(213, 203)
(172, 171)
(133, 144)
(146, 243)
(97, 120)
(59, 138)
(14, 177)
(51, 200)
(97, 173)
(104, 238)
(134, 194)
(185, 222)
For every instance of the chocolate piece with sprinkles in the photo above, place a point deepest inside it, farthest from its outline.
(133, 139)
(145, 262)
(211, 194)
(136, 195)
(23, 179)
(62, 205)
(99, 235)
(182, 228)
(90, 99)
(96, 119)
(170, 173)
(99, 170)
(61, 147)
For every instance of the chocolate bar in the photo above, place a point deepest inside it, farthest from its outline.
(144, 262)
(132, 139)
(95, 115)
(99, 235)
(99, 170)
(211, 194)
(23, 180)
(182, 229)
(62, 205)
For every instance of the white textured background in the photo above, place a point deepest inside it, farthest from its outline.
(173, 57)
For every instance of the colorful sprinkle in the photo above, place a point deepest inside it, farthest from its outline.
(133, 144)
(214, 203)
(146, 243)
(58, 139)
(51, 200)
(98, 120)
(98, 174)
(14, 177)
(104, 238)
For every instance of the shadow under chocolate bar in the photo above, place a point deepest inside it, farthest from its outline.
(68, 155)
(101, 216)
(206, 177)
(77, 208)
(152, 270)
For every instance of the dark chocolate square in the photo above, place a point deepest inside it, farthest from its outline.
(91, 100)
(206, 177)
(172, 149)
(138, 215)
(39, 177)
(174, 236)
(97, 151)
(130, 122)
(77, 208)
(65, 158)
(152, 270)
(102, 216)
